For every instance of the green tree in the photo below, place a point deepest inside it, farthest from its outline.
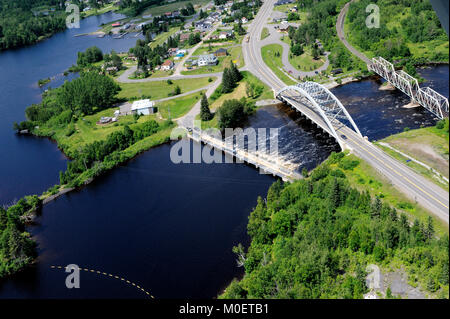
(205, 112)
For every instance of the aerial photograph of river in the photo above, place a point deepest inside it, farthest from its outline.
(95, 205)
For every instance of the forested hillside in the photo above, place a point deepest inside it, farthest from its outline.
(408, 29)
(320, 24)
(315, 237)
(24, 22)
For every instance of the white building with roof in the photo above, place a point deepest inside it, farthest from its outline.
(207, 59)
(143, 107)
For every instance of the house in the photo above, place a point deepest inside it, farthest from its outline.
(284, 28)
(117, 24)
(172, 51)
(167, 65)
(184, 37)
(207, 59)
(226, 34)
(143, 107)
(244, 20)
(181, 52)
(221, 52)
(112, 69)
(203, 25)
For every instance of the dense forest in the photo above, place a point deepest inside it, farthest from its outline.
(16, 247)
(315, 237)
(403, 24)
(320, 25)
(20, 25)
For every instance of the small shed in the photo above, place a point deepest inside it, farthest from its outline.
(221, 52)
(143, 107)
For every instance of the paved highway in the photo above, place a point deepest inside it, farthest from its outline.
(341, 35)
(414, 186)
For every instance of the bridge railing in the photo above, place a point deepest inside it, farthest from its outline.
(427, 97)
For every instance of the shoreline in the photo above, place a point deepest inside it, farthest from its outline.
(29, 217)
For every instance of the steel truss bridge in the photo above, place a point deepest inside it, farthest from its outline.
(320, 106)
(427, 97)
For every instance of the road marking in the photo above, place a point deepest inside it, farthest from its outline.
(109, 275)
(268, 77)
(398, 173)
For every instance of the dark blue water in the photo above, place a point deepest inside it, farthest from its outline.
(31, 165)
(379, 114)
(167, 227)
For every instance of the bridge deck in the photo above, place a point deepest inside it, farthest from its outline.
(315, 118)
(263, 161)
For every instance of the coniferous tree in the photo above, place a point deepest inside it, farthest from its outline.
(236, 75)
(227, 81)
(429, 232)
(335, 194)
(376, 208)
(205, 112)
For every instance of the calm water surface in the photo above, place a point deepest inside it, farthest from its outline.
(31, 165)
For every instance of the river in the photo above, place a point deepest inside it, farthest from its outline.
(167, 227)
(31, 165)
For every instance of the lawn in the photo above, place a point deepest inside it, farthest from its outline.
(365, 177)
(162, 37)
(234, 54)
(205, 49)
(105, 9)
(429, 145)
(86, 131)
(179, 106)
(160, 89)
(273, 61)
(304, 62)
(265, 33)
(159, 10)
(238, 93)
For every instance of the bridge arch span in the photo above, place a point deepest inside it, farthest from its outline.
(325, 103)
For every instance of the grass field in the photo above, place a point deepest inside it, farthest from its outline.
(274, 62)
(179, 106)
(162, 37)
(364, 177)
(265, 33)
(86, 130)
(160, 89)
(158, 10)
(234, 54)
(428, 145)
(238, 93)
(105, 9)
(304, 62)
